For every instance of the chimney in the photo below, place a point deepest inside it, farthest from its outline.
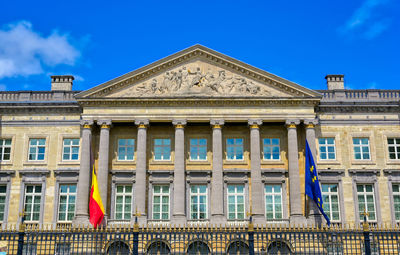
(335, 81)
(61, 82)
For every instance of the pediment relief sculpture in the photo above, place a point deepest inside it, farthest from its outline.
(192, 80)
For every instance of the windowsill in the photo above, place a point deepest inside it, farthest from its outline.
(6, 163)
(328, 162)
(198, 162)
(36, 163)
(234, 162)
(363, 162)
(161, 162)
(72, 162)
(393, 162)
(272, 162)
(127, 162)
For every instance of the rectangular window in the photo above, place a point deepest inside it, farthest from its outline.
(32, 200)
(123, 202)
(271, 149)
(234, 149)
(394, 148)
(396, 200)
(162, 149)
(236, 202)
(198, 149)
(198, 202)
(67, 198)
(330, 198)
(161, 202)
(3, 194)
(63, 249)
(273, 202)
(361, 148)
(37, 149)
(126, 149)
(71, 149)
(366, 201)
(5, 149)
(327, 149)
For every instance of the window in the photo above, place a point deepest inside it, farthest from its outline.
(37, 149)
(234, 148)
(334, 249)
(71, 149)
(396, 200)
(271, 149)
(198, 202)
(66, 207)
(327, 148)
(273, 202)
(5, 149)
(63, 249)
(126, 149)
(161, 202)
(394, 148)
(330, 198)
(361, 148)
(29, 249)
(162, 149)
(123, 202)
(366, 201)
(198, 149)
(33, 196)
(235, 202)
(3, 194)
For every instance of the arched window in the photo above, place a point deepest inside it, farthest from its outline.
(118, 248)
(278, 248)
(198, 247)
(158, 247)
(238, 247)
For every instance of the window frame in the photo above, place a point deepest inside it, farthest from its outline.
(365, 194)
(236, 194)
(396, 148)
(162, 146)
(39, 194)
(37, 149)
(198, 146)
(126, 148)
(273, 204)
(5, 180)
(330, 193)
(198, 203)
(271, 146)
(3, 146)
(326, 145)
(70, 154)
(234, 146)
(392, 194)
(361, 146)
(59, 203)
(169, 202)
(123, 204)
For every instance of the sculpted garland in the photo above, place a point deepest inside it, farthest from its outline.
(186, 81)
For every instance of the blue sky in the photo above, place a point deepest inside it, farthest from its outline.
(301, 41)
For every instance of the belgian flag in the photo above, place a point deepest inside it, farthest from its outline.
(96, 209)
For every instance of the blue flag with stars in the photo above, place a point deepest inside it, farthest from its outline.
(313, 189)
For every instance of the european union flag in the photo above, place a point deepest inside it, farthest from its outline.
(313, 189)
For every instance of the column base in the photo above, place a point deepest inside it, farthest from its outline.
(218, 219)
(297, 220)
(81, 220)
(179, 220)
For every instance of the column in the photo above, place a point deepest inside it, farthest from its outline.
(82, 201)
(179, 173)
(102, 173)
(257, 192)
(217, 181)
(315, 216)
(141, 170)
(296, 213)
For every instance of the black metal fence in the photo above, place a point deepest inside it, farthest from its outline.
(216, 240)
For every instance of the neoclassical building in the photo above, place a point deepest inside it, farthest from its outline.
(196, 138)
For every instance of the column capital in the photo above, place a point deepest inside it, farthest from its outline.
(255, 123)
(292, 123)
(104, 123)
(310, 123)
(217, 123)
(87, 123)
(142, 123)
(179, 123)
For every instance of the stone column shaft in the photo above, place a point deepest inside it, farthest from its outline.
(104, 151)
(257, 193)
(141, 167)
(82, 200)
(179, 173)
(296, 214)
(217, 181)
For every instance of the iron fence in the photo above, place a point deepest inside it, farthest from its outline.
(205, 240)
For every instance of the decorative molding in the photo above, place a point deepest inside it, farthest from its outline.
(179, 123)
(142, 123)
(104, 123)
(254, 123)
(87, 123)
(292, 123)
(310, 123)
(217, 123)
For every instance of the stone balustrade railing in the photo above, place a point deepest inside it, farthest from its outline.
(374, 95)
(37, 96)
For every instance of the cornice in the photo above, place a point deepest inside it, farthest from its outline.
(198, 52)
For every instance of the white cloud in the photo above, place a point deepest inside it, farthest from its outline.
(364, 20)
(24, 52)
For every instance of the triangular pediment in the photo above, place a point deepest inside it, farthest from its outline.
(198, 72)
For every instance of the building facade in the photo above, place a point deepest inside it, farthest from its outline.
(199, 138)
